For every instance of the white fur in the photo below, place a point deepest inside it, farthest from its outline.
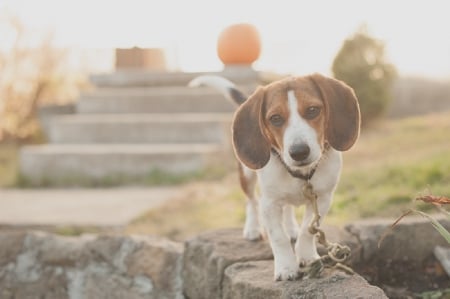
(299, 131)
(290, 222)
(220, 83)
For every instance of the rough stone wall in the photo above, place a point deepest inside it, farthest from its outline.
(216, 264)
(221, 264)
(42, 265)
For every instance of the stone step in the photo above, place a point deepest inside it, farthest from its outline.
(124, 78)
(79, 163)
(177, 99)
(140, 128)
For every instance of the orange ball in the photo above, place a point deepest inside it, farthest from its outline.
(239, 44)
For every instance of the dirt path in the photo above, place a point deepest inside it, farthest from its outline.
(79, 207)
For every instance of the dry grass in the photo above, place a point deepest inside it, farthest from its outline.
(8, 164)
(202, 206)
(391, 163)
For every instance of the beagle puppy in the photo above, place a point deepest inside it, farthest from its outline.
(286, 134)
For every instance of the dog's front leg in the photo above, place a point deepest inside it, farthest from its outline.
(290, 223)
(285, 265)
(305, 247)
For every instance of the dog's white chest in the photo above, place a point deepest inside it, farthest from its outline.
(277, 184)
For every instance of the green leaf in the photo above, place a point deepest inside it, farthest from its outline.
(444, 233)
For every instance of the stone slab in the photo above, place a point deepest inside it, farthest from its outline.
(47, 112)
(208, 255)
(413, 238)
(83, 164)
(154, 100)
(141, 128)
(131, 78)
(90, 267)
(254, 280)
(404, 262)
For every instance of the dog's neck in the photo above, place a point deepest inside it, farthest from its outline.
(299, 174)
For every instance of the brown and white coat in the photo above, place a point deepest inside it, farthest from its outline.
(285, 134)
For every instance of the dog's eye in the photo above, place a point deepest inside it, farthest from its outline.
(276, 120)
(312, 112)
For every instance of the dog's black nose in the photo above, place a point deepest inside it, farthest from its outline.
(299, 152)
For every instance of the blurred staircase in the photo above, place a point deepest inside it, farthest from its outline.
(132, 124)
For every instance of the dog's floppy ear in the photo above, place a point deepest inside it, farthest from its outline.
(343, 116)
(249, 142)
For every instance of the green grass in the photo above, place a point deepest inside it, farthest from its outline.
(384, 189)
(155, 177)
(393, 164)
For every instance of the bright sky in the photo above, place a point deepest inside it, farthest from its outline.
(298, 36)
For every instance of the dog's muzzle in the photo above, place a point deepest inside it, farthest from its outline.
(299, 152)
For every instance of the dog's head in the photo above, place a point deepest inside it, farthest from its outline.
(297, 118)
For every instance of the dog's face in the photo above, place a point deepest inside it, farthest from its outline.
(296, 118)
(294, 122)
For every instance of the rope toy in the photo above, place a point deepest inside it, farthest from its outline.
(336, 254)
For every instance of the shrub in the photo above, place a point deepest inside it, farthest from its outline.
(361, 64)
(32, 72)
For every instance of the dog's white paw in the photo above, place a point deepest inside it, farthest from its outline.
(252, 234)
(305, 250)
(304, 260)
(252, 230)
(287, 272)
